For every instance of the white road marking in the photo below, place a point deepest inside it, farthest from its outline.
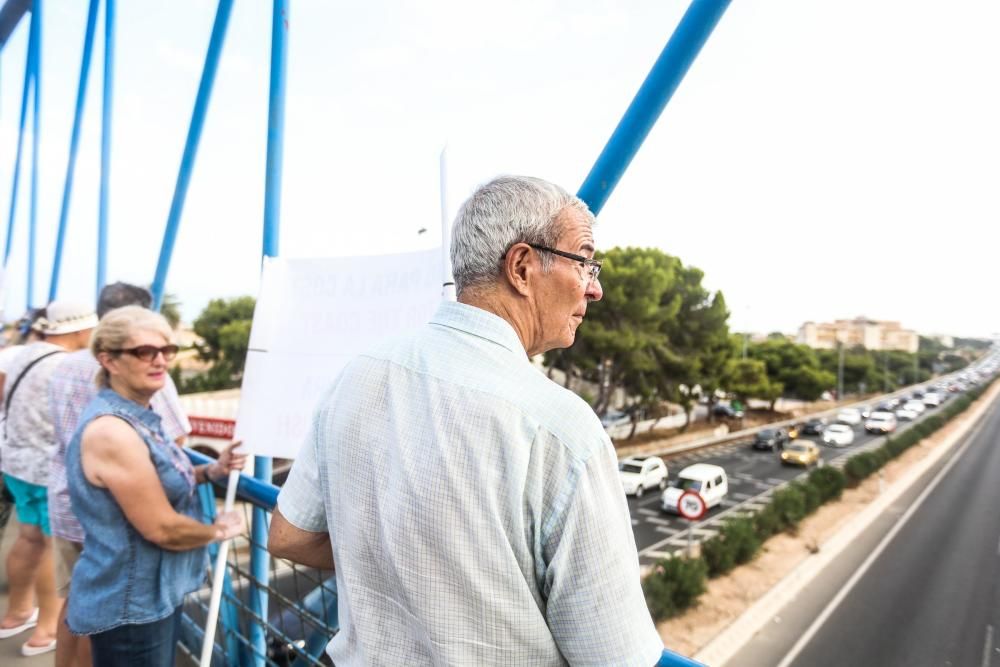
(873, 556)
(667, 530)
(658, 521)
(646, 512)
(988, 646)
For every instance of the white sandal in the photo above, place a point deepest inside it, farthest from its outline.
(18, 629)
(28, 650)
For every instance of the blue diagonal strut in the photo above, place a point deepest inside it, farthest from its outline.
(36, 103)
(191, 148)
(29, 79)
(102, 207)
(74, 142)
(669, 69)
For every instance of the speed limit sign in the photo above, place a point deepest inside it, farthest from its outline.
(691, 506)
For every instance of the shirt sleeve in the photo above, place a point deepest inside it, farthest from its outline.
(301, 498)
(595, 608)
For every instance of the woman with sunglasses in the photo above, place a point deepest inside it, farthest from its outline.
(134, 492)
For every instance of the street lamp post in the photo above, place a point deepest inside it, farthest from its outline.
(840, 372)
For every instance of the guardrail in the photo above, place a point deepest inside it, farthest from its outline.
(302, 602)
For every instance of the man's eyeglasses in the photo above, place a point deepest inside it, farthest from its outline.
(148, 352)
(591, 267)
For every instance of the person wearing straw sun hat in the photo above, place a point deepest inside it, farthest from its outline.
(24, 459)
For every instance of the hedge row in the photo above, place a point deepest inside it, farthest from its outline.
(862, 465)
(675, 583)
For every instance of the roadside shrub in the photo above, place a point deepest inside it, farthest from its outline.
(737, 542)
(790, 506)
(767, 522)
(810, 497)
(742, 539)
(718, 557)
(828, 481)
(935, 422)
(674, 585)
(859, 467)
(882, 456)
(897, 446)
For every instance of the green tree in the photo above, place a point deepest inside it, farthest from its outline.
(698, 337)
(747, 378)
(794, 366)
(656, 333)
(224, 328)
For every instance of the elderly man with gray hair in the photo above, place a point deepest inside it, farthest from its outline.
(471, 507)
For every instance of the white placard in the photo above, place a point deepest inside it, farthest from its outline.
(312, 317)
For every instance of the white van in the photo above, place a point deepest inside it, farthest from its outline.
(709, 481)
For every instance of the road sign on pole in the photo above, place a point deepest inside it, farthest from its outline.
(692, 507)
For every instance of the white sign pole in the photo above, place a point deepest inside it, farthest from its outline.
(218, 575)
(448, 288)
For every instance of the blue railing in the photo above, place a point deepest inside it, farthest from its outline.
(304, 618)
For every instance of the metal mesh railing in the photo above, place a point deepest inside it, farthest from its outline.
(284, 620)
(293, 609)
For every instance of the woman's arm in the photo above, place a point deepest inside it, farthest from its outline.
(228, 460)
(115, 457)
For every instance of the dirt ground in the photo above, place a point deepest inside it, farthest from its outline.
(729, 596)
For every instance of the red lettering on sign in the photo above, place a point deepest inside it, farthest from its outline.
(212, 427)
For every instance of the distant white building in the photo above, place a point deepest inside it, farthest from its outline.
(944, 339)
(870, 334)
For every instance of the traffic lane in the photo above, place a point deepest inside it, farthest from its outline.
(933, 596)
(751, 473)
(772, 642)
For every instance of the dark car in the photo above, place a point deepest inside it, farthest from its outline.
(769, 439)
(814, 427)
(720, 410)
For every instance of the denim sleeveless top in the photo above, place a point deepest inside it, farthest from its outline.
(121, 578)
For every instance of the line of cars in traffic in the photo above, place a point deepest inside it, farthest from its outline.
(642, 473)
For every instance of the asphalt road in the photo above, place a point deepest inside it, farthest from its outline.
(753, 475)
(930, 594)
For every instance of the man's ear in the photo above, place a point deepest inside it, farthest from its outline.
(518, 267)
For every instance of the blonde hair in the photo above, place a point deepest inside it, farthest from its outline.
(118, 325)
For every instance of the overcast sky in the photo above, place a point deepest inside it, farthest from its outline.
(821, 160)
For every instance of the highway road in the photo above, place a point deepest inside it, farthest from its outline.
(920, 587)
(753, 475)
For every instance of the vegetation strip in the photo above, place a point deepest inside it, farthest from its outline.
(675, 584)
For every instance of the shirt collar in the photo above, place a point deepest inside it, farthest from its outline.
(479, 322)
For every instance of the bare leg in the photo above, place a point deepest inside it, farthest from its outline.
(22, 567)
(66, 641)
(49, 603)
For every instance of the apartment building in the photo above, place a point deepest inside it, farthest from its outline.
(868, 333)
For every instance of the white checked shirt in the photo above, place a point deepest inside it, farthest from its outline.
(474, 508)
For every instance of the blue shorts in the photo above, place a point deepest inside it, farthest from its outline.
(31, 502)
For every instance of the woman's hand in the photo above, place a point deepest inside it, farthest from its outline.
(228, 525)
(228, 461)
